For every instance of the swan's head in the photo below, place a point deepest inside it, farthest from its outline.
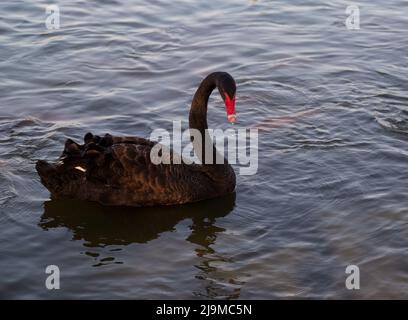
(227, 88)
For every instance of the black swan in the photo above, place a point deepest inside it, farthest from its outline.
(119, 171)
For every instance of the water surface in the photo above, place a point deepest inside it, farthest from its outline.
(331, 188)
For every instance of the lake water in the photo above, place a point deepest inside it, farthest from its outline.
(331, 187)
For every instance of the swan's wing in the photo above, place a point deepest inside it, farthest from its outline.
(147, 183)
(120, 170)
(107, 159)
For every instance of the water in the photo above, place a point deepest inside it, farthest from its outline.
(331, 188)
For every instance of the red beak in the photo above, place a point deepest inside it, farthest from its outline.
(230, 107)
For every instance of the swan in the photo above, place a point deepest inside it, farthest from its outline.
(118, 170)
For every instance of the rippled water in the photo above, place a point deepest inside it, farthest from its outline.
(331, 189)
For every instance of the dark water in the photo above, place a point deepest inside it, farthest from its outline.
(331, 189)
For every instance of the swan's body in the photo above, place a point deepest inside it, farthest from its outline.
(118, 170)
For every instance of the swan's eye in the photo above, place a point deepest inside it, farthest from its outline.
(230, 107)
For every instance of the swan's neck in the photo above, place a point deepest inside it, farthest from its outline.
(198, 118)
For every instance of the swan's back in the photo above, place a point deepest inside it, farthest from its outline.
(119, 171)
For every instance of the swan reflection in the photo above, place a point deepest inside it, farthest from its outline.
(117, 227)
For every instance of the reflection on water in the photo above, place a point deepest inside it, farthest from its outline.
(332, 180)
(101, 226)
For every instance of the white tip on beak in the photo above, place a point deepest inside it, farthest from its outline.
(232, 118)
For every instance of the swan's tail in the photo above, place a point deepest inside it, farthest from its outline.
(49, 176)
(77, 173)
